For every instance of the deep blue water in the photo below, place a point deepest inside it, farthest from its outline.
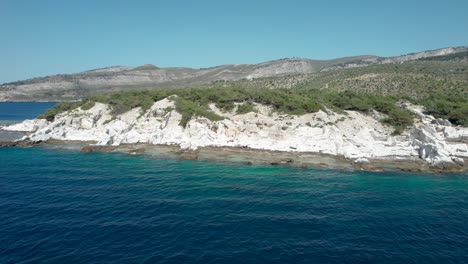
(22, 110)
(64, 206)
(61, 206)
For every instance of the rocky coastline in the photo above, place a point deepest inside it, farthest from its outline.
(347, 140)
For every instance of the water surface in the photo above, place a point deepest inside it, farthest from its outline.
(66, 207)
(16, 111)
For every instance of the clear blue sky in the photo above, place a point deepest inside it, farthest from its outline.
(48, 37)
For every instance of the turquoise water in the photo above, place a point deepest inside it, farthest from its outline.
(62, 206)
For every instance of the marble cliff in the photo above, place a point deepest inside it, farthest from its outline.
(353, 135)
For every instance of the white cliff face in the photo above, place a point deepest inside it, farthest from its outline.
(437, 142)
(75, 125)
(352, 134)
(27, 125)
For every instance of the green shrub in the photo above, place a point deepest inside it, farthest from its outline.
(59, 108)
(189, 109)
(455, 109)
(227, 106)
(246, 107)
(122, 102)
(87, 105)
(399, 120)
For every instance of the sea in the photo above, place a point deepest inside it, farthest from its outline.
(58, 205)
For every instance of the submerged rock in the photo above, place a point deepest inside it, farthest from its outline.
(136, 151)
(90, 149)
(282, 162)
(189, 155)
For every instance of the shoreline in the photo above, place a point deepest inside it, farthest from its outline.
(350, 140)
(250, 156)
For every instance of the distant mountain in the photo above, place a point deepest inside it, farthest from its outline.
(78, 85)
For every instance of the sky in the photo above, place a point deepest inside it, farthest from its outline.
(47, 37)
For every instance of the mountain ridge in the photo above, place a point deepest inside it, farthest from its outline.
(78, 85)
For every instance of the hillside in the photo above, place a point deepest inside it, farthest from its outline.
(420, 78)
(411, 110)
(443, 69)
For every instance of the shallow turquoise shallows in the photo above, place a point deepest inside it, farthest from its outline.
(60, 206)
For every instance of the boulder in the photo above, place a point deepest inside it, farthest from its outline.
(442, 122)
(361, 161)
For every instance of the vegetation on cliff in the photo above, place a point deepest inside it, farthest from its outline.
(453, 108)
(194, 102)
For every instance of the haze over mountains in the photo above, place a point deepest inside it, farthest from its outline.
(115, 78)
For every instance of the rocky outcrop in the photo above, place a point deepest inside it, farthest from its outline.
(424, 54)
(27, 126)
(353, 135)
